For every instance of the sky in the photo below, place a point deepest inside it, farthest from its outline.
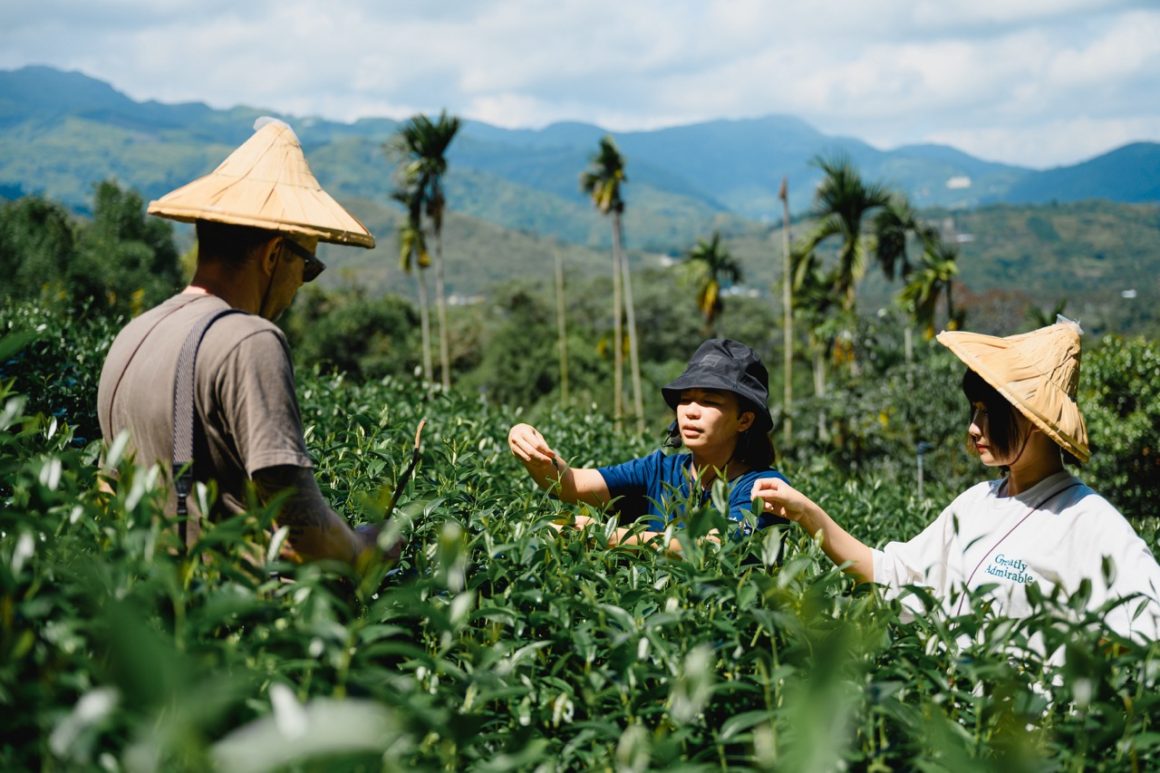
(1038, 83)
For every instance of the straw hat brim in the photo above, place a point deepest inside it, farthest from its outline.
(266, 183)
(1023, 381)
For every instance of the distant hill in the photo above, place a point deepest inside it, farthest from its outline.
(515, 199)
(1130, 173)
(1102, 258)
(61, 132)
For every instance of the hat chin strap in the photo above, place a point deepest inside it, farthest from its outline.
(270, 284)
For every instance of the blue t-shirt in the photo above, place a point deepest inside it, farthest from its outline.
(666, 483)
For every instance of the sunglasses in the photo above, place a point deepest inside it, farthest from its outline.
(313, 267)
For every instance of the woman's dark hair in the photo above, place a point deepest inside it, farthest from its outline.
(1002, 426)
(754, 445)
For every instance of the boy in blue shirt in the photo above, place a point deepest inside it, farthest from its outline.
(721, 420)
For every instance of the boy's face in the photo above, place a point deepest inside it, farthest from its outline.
(711, 419)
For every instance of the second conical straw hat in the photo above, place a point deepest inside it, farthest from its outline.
(265, 183)
(1037, 372)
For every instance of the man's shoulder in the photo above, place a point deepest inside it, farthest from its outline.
(167, 326)
(179, 313)
(241, 325)
(248, 336)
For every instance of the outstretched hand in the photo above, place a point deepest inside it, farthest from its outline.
(529, 447)
(780, 498)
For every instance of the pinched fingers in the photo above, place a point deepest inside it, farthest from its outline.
(779, 498)
(529, 445)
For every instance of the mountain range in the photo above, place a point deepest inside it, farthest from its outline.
(1089, 232)
(60, 132)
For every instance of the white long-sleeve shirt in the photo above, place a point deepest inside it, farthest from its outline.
(1058, 532)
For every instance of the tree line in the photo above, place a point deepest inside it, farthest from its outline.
(121, 262)
(821, 288)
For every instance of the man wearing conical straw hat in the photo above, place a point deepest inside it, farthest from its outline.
(1037, 524)
(259, 217)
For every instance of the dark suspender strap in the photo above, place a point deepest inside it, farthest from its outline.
(184, 414)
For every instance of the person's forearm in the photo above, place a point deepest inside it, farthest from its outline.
(569, 484)
(625, 535)
(316, 531)
(558, 479)
(837, 543)
(331, 538)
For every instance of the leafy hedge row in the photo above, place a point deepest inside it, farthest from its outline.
(496, 644)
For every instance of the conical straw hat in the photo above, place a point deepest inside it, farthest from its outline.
(1037, 372)
(265, 183)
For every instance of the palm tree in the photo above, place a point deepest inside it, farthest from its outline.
(787, 313)
(894, 225)
(841, 202)
(709, 263)
(601, 181)
(413, 254)
(814, 300)
(933, 277)
(421, 145)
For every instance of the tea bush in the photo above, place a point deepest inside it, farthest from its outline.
(56, 356)
(1120, 394)
(496, 643)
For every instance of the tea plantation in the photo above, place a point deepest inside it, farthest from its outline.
(496, 643)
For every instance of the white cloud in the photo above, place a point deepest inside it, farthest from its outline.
(989, 73)
(1052, 143)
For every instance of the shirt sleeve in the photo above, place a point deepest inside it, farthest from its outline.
(1134, 572)
(258, 397)
(922, 560)
(631, 477)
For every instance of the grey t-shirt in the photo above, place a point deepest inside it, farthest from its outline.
(244, 396)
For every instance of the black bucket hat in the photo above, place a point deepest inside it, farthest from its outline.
(721, 363)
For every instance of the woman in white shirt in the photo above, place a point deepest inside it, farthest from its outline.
(1037, 524)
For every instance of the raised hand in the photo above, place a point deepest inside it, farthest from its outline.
(780, 498)
(529, 447)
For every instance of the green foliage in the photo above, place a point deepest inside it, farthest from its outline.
(118, 260)
(124, 258)
(497, 643)
(54, 359)
(36, 241)
(877, 417)
(520, 364)
(347, 331)
(1120, 398)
